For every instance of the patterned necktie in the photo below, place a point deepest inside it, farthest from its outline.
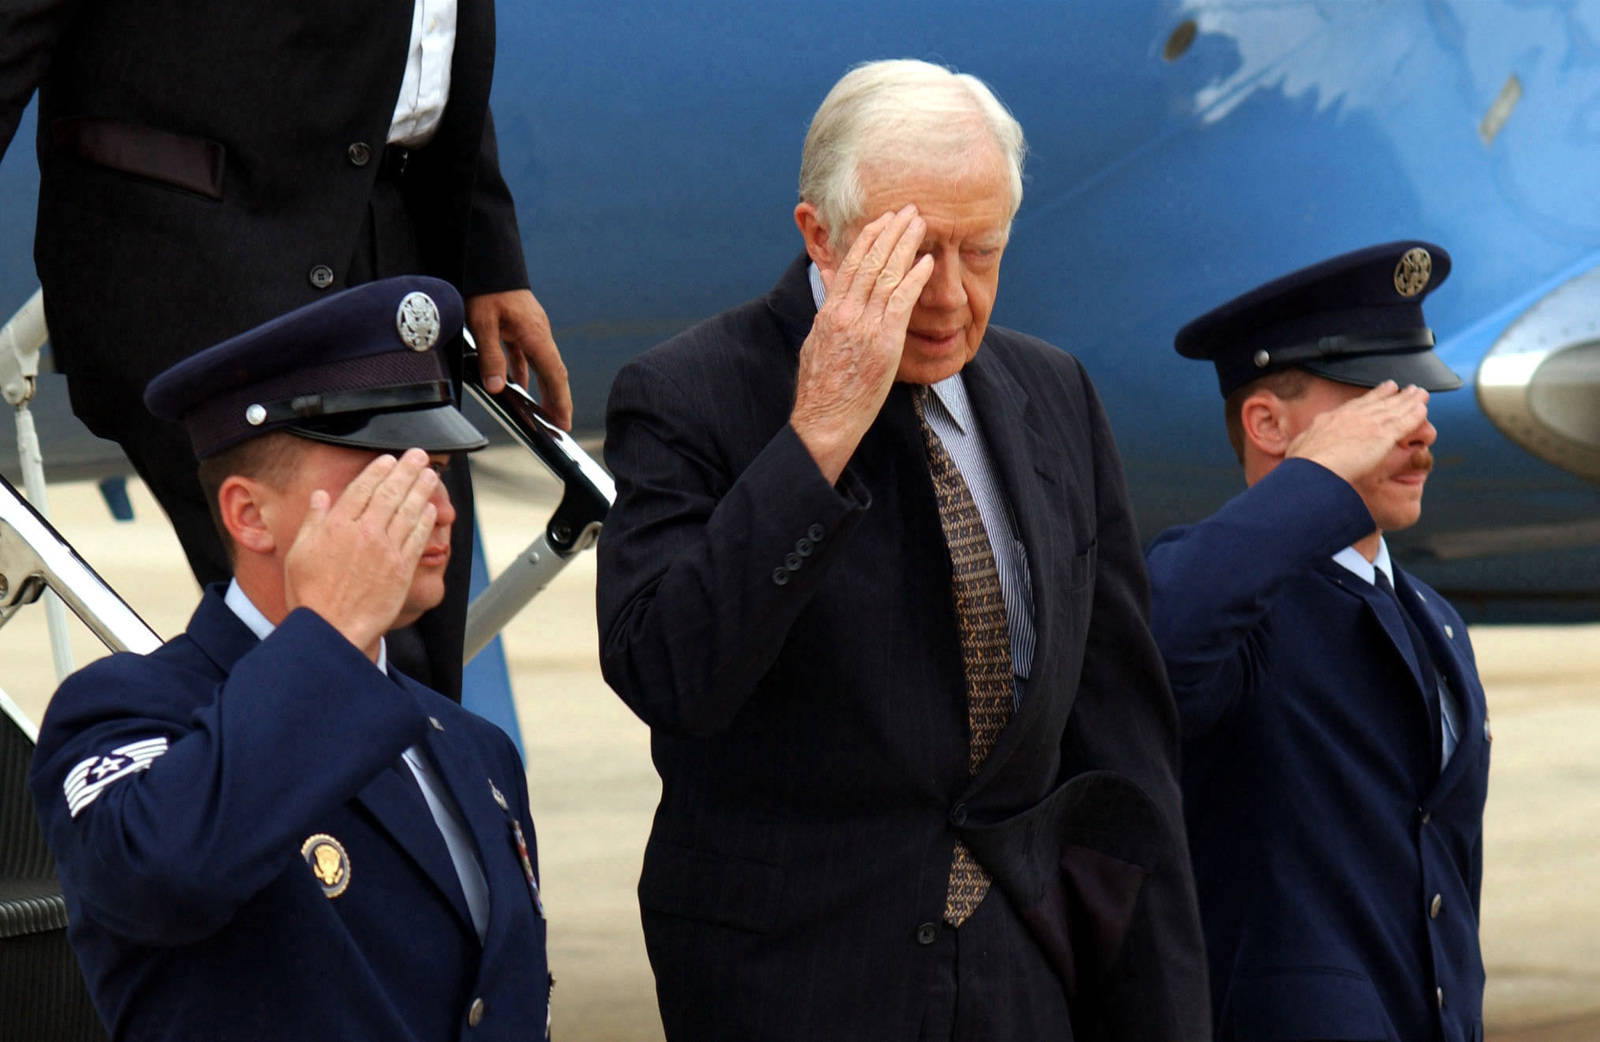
(985, 642)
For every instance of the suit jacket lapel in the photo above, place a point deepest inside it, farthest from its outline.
(395, 801)
(1014, 449)
(1382, 608)
(1464, 688)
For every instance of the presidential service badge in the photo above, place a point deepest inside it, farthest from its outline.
(418, 321)
(330, 865)
(1412, 273)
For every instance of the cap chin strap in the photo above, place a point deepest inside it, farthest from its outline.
(376, 399)
(1411, 340)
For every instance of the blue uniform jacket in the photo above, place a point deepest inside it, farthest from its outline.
(202, 775)
(1338, 869)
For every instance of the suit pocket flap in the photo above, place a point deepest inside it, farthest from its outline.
(192, 163)
(1294, 1004)
(714, 888)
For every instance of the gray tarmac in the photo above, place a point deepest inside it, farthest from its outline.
(594, 789)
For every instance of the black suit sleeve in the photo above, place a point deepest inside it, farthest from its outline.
(1124, 720)
(29, 33)
(694, 595)
(494, 260)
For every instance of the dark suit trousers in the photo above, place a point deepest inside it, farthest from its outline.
(430, 649)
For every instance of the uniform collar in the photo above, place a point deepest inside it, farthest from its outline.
(241, 605)
(1350, 558)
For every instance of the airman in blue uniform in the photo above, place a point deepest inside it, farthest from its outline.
(1335, 735)
(261, 831)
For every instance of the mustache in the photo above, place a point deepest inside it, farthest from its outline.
(1420, 460)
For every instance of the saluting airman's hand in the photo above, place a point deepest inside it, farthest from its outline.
(849, 360)
(1355, 439)
(354, 557)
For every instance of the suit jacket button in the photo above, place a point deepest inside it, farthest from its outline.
(1434, 906)
(816, 532)
(927, 933)
(780, 576)
(958, 815)
(321, 276)
(803, 547)
(359, 154)
(792, 562)
(475, 1013)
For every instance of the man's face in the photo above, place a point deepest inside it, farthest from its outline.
(332, 467)
(1393, 492)
(966, 204)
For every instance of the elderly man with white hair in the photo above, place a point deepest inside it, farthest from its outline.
(872, 581)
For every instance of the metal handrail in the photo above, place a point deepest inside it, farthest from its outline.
(572, 528)
(34, 556)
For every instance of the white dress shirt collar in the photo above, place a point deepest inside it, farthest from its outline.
(242, 606)
(1350, 558)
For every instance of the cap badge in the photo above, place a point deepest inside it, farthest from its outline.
(330, 865)
(418, 321)
(1411, 275)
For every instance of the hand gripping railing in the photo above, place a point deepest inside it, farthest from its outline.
(573, 527)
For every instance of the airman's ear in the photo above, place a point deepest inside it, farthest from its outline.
(240, 503)
(1264, 418)
(816, 236)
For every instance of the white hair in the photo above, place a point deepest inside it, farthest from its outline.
(892, 112)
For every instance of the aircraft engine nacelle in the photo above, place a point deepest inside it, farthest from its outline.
(1540, 380)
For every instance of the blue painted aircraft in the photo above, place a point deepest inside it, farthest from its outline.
(1182, 151)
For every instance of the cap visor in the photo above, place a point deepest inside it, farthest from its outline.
(439, 428)
(1421, 368)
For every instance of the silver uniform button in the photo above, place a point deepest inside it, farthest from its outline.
(475, 1013)
(255, 415)
(1434, 906)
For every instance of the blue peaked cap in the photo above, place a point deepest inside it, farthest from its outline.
(361, 367)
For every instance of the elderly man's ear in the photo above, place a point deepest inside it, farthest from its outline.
(245, 510)
(816, 235)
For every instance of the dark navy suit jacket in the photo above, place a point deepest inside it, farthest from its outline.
(193, 912)
(793, 647)
(1338, 868)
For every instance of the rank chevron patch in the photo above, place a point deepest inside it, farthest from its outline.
(88, 779)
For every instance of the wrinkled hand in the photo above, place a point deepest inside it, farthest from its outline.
(1354, 440)
(354, 558)
(512, 331)
(849, 360)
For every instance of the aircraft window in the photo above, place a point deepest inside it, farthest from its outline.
(1180, 40)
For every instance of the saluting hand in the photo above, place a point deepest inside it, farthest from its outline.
(1355, 439)
(849, 360)
(354, 558)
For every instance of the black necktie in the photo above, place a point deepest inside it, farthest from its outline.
(1419, 648)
